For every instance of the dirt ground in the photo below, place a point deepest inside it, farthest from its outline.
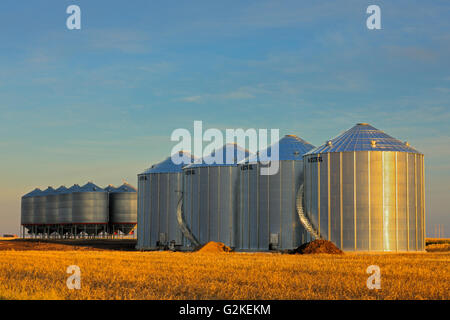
(68, 245)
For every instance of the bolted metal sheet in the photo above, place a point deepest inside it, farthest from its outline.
(123, 207)
(210, 203)
(210, 196)
(90, 208)
(28, 207)
(159, 189)
(65, 207)
(363, 137)
(267, 207)
(381, 195)
(375, 195)
(41, 216)
(267, 204)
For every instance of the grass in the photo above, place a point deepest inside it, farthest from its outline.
(175, 275)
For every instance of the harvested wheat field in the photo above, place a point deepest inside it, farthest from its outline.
(108, 274)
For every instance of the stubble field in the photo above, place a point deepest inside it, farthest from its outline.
(110, 274)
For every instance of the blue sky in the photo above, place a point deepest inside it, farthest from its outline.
(100, 103)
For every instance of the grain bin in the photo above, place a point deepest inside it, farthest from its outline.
(210, 196)
(65, 208)
(52, 208)
(159, 192)
(122, 208)
(268, 217)
(110, 188)
(364, 190)
(42, 210)
(27, 209)
(63, 216)
(90, 213)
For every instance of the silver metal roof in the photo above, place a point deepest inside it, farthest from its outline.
(34, 193)
(91, 187)
(62, 189)
(125, 188)
(75, 188)
(238, 154)
(290, 147)
(110, 188)
(168, 165)
(48, 191)
(363, 137)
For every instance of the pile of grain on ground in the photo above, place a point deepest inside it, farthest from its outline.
(214, 247)
(318, 246)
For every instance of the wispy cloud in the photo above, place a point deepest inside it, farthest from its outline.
(239, 94)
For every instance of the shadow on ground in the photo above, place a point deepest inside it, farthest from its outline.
(66, 245)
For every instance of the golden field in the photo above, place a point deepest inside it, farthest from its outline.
(108, 274)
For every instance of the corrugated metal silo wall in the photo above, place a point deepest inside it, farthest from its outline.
(123, 209)
(210, 203)
(267, 205)
(367, 200)
(64, 208)
(51, 208)
(40, 217)
(90, 209)
(158, 195)
(142, 191)
(26, 216)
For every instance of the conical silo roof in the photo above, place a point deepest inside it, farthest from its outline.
(62, 189)
(110, 188)
(290, 147)
(363, 137)
(168, 166)
(48, 191)
(91, 187)
(125, 188)
(34, 193)
(237, 155)
(75, 188)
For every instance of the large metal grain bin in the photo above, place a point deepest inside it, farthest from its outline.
(210, 196)
(42, 211)
(65, 208)
(122, 208)
(364, 190)
(268, 217)
(90, 209)
(62, 215)
(51, 205)
(159, 192)
(27, 209)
